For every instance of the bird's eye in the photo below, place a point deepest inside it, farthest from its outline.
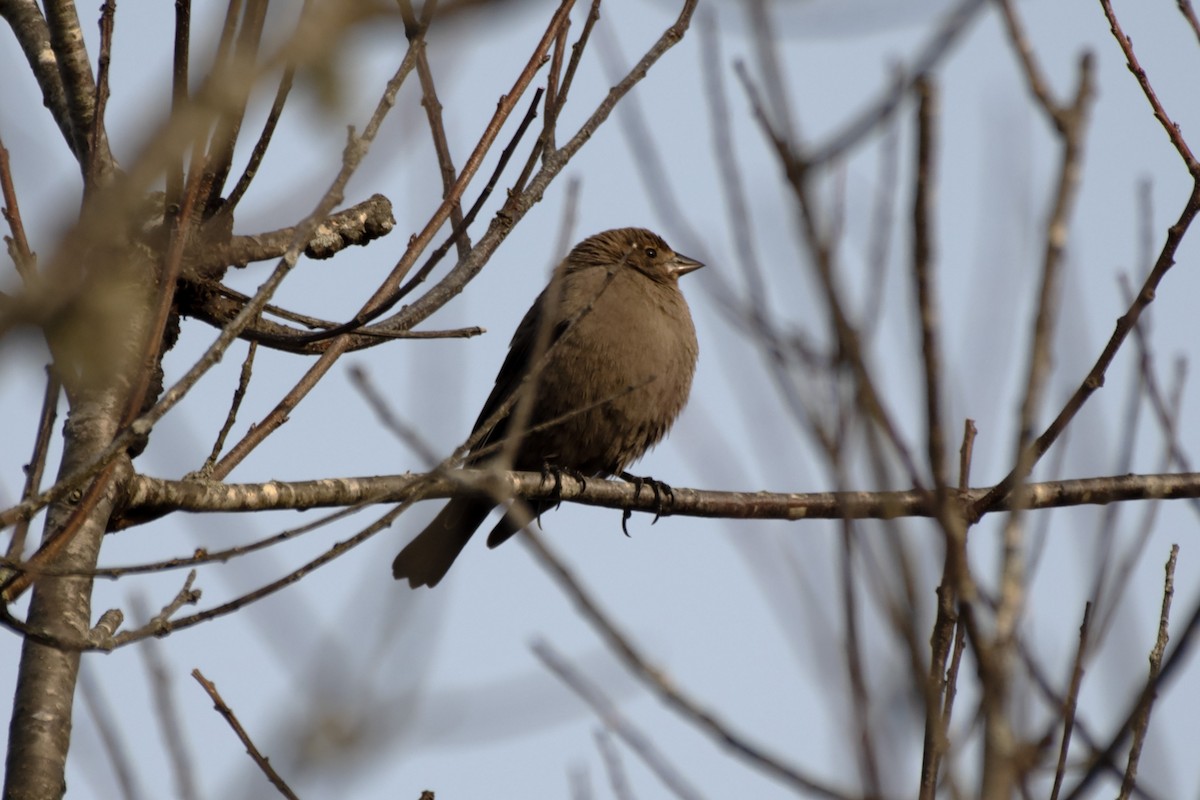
(651, 252)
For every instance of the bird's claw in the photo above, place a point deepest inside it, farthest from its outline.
(555, 472)
(659, 489)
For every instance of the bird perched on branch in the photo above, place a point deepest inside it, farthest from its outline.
(595, 375)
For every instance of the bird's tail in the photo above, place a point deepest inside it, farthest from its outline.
(425, 560)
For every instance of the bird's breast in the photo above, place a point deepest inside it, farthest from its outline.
(617, 379)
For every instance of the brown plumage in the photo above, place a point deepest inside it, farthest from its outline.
(616, 369)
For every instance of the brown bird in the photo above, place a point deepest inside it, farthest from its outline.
(613, 369)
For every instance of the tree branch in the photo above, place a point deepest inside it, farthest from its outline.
(156, 495)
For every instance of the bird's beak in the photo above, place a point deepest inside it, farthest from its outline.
(683, 265)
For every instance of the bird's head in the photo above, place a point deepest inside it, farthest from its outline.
(637, 248)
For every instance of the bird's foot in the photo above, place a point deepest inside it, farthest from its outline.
(552, 471)
(660, 491)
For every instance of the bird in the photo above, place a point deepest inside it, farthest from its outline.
(612, 350)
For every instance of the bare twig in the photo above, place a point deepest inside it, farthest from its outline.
(239, 394)
(1141, 723)
(263, 142)
(1160, 113)
(1071, 701)
(468, 219)
(433, 113)
(225, 711)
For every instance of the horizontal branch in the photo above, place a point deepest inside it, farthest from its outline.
(154, 496)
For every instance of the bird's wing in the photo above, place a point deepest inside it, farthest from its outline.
(514, 369)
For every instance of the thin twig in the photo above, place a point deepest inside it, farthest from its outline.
(1160, 113)
(1029, 450)
(1141, 722)
(219, 309)
(461, 230)
(563, 87)
(263, 763)
(1071, 701)
(239, 394)
(946, 641)
(437, 129)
